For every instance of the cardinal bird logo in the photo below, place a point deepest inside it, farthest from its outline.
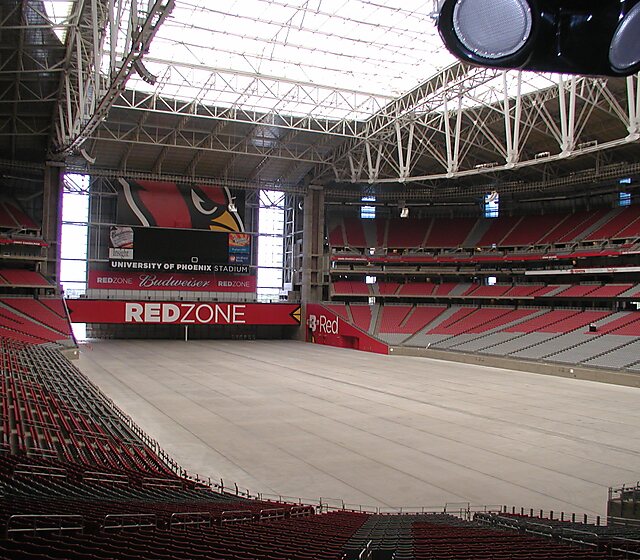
(178, 205)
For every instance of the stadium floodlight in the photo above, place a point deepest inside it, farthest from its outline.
(590, 37)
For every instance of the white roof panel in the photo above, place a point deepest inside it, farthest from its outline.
(330, 59)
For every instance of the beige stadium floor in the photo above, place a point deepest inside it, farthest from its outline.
(296, 419)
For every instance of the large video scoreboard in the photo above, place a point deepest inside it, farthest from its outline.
(178, 250)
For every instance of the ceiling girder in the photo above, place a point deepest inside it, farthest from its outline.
(454, 123)
(95, 71)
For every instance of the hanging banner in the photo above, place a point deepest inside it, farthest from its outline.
(167, 204)
(182, 313)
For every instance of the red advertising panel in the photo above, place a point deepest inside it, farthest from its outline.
(111, 280)
(325, 327)
(182, 312)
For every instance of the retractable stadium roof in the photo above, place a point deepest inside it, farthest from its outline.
(286, 92)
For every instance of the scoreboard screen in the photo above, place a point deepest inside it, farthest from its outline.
(180, 250)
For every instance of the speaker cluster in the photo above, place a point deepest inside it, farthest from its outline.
(591, 37)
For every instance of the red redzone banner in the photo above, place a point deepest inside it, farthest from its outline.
(325, 327)
(107, 280)
(182, 313)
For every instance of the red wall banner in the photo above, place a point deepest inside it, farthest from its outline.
(108, 280)
(325, 327)
(182, 312)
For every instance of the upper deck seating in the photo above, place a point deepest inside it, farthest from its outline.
(20, 278)
(388, 288)
(498, 230)
(625, 220)
(354, 233)
(531, 229)
(407, 233)
(496, 290)
(569, 228)
(12, 216)
(417, 289)
(447, 233)
(336, 236)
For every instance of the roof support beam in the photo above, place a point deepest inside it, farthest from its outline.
(473, 121)
(89, 89)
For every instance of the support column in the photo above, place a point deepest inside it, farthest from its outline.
(313, 246)
(312, 276)
(51, 220)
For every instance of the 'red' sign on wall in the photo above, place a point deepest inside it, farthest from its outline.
(182, 313)
(325, 327)
(151, 280)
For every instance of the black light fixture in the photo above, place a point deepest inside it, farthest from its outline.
(591, 37)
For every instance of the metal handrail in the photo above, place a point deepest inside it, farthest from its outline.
(569, 534)
(199, 518)
(124, 516)
(236, 516)
(35, 518)
(40, 470)
(97, 476)
(273, 513)
(366, 553)
(301, 511)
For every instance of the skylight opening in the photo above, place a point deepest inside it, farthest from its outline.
(58, 12)
(322, 58)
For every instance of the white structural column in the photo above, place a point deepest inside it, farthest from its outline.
(512, 123)
(567, 114)
(633, 101)
(453, 137)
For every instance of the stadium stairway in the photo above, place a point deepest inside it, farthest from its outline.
(415, 320)
(560, 339)
(385, 536)
(421, 339)
(588, 345)
(375, 319)
(477, 233)
(597, 224)
(527, 333)
(468, 342)
(619, 357)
